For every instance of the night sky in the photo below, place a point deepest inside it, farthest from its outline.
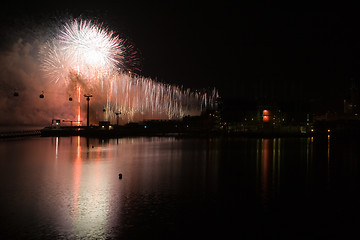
(252, 52)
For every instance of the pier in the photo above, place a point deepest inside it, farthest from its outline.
(20, 133)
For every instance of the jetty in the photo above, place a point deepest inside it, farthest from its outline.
(20, 133)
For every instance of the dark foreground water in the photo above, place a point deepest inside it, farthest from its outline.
(288, 188)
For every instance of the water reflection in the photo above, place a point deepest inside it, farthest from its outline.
(77, 176)
(69, 187)
(275, 169)
(95, 204)
(268, 159)
(328, 159)
(56, 147)
(309, 157)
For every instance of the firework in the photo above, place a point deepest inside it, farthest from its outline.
(139, 98)
(89, 58)
(90, 50)
(91, 46)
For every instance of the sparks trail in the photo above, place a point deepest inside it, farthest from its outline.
(88, 55)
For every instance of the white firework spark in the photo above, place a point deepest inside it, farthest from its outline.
(88, 56)
(55, 64)
(90, 45)
(88, 49)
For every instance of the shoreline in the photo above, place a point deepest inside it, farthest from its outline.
(137, 132)
(120, 131)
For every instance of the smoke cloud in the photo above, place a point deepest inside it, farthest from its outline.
(116, 96)
(20, 73)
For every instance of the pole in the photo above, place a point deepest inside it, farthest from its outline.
(88, 108)
(117, 118)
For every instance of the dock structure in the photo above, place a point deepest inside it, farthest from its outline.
(21, 133)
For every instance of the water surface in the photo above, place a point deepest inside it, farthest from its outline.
(68, 188)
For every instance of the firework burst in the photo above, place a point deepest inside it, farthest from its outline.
(88, 58)
(90, 45)
(81, 46)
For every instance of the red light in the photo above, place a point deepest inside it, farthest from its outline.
(267, 116)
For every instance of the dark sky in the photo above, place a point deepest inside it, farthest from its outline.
(288, 53)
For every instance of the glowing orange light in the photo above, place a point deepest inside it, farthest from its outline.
(267, 116)
(79, 94)
(79, 110)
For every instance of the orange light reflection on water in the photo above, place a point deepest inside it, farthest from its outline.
(77, 176)
(268, 168)
(90, 206)
(265, 171)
